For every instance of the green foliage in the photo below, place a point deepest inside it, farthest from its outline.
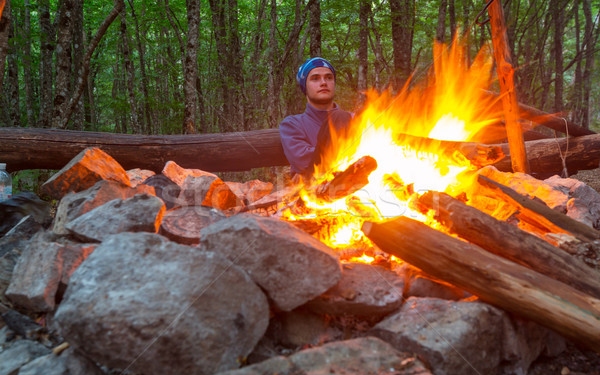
(161, 34)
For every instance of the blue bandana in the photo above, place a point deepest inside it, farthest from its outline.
(309, 65)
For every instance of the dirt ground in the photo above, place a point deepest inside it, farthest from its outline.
(576, 360)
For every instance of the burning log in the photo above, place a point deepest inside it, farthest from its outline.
(539, 215)
(355, 177)
(494, 279)
(505, 71)
(510, 242)
(480, 155)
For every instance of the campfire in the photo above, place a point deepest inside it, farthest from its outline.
(429, 137)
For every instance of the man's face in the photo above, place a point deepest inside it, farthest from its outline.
(320, 87)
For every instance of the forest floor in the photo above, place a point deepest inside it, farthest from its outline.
(575, 360)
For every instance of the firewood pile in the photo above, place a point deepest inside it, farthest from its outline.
(181, 272)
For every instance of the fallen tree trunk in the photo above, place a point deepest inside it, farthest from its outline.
(34, 148)
(510, 242)
(494, 279)
(548, 157)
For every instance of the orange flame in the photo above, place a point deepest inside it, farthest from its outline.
(404, 134)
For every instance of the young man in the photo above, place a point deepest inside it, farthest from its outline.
(300, 133)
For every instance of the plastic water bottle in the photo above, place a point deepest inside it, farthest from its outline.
(5, 183)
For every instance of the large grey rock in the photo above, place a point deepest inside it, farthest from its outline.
(73, 205)
(43, 266)
(584, 202)
(453, 337)
(12, 245)
(19, 353)
(289, 264)
(36, 276)
(367, 355)
(140, 213)
(83, 171)
(364, 290)
(68, 362)
(142, 303)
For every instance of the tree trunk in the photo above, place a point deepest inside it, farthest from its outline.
(54, 148)
(363, 50)
(27, 76)
(190, 67)
(380, 63)
(83, 73)
(63, 87)
(146, 118)
(12, 87)
(314, 28)
(582, 153)
(78, 52)
(129, 76)
(440, 33)
(591, 40)
(5, 22)
(47, 42)
(403, 19)
(557, 7)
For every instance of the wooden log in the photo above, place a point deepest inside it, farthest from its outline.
(355, 177)
(510, 242)
(508, 95)
(494, 279)
(540, 215)
(480, 155)
(548, 157)
(32, 148)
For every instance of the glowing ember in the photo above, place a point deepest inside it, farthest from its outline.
(406, 136)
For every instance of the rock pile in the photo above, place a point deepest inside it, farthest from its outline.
(108, 287)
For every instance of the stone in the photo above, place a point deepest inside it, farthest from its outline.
(144, 304)
(209, 191)
(73, 205)
(138, 176)
(165, 189)
(178, 175)
(140, 213)
(289, 264)
(68, 362)
(368, 355)
(83, 171)
(250, 191)
(36, 276)
(454, 337)
(20, 353)
(364, 290)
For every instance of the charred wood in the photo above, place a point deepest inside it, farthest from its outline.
(494, 279)
(510, 242)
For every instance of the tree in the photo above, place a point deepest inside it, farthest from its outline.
(402, 16)
(191, 67)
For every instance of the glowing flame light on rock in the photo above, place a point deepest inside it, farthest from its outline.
(404, 134)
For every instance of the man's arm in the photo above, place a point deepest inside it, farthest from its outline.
(296, 146)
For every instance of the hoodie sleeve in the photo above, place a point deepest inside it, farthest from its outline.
(296, 145)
